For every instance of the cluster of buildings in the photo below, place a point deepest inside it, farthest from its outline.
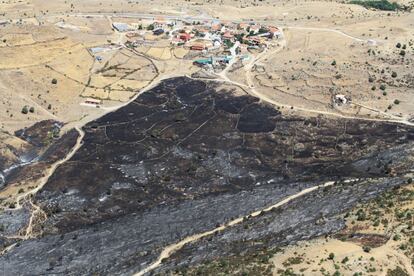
(214, 35)
(221, 40)
(202, 35)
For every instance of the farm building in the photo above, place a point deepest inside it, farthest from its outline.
(275, 31)
(93, 101)
(197, 47)
(120, 27)
(185, 36)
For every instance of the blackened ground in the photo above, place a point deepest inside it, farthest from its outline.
(41, 133)
(14, 221)
(189, 139)
(38, 137)
(189, 155)
(315, 214)
(53, 151)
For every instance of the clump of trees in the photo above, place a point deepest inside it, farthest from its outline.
(383, 5)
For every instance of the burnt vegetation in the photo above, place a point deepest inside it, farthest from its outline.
(185, 140)
(188, 156)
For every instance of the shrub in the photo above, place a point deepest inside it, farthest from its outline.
(366, 249)
(396, 101)
(398, 45)
(25, 109)
(394, 74)
(31, 110)
(54, 81)
(331, 256)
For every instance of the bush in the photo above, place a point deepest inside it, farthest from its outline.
(398, 45)
(366, 249)
(402, 53)
(25, 109)
(394, 74)
(54, 81)
(331, 256)
(31, 110)
(382, 87)
(396, 101)
(333, 63)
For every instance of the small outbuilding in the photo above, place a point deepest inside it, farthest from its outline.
(93, 101)
(120, 27)
(158, 32)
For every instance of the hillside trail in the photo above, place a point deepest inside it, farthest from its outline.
(170, 249)
(77, 125)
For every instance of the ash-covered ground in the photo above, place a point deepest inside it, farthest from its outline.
(189, 155)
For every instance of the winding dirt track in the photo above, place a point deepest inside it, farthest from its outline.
(170, 249)
(250, 88)
(52, 169)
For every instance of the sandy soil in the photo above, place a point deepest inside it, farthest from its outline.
(382, 246)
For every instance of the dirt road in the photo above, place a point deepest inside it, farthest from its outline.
(250, 88)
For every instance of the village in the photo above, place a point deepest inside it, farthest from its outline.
(212, 43)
